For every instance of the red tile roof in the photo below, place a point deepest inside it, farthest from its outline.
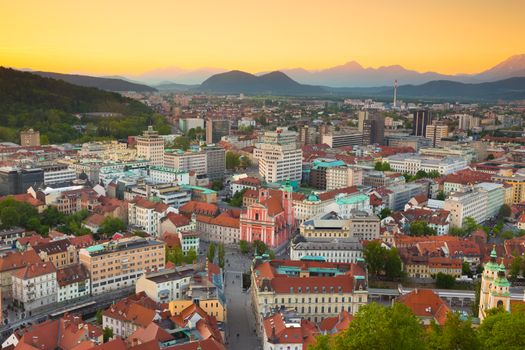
(35, 270)
(426, 303)
(177, 220)
(18, 260)
(199, 208)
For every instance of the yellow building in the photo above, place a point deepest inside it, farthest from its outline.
(518, 186)
(212, 307)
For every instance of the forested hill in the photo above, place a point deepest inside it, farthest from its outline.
(48, 105)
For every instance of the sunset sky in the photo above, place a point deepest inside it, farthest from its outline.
(131, 36)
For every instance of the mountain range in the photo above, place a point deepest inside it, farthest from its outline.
(350, 74)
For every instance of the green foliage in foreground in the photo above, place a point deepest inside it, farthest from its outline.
(396, 328)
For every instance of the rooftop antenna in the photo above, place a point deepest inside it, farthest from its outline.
(395, 93)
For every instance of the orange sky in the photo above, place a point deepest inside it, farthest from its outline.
(129, 37)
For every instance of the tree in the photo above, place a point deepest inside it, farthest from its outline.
(236, 200)
(393, 265)
(221, 254)
(378, 327)
(441, 196)
(52, 217)
(515, 266)
(374, 255)
(181, 142)
(107, 334)
(111, 225)
(232, 160)
(445, 281)
(385, 212)
(244, 246)
(457, 231)
(260, 247)
(217, 185)
(245, 162)
(421, 228)
(507, 235)
(99, 315)
(9, 217)
(191, 256)
(455, 334)
(421, 174)
(211, 252)
(470, 224)
(477, 293)
(433, 174)
(175, 255)
(504, 211)
(382, 166)
(503, 331)
(465, 269)
(322, 342)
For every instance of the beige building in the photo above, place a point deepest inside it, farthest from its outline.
(150, 146)
(117, 264)
(212, 307)
(343, 176)
(435, 132)
(195, 161)
(314, 290)
(61, 253)
(11, 263)
(29, 138)
(517, 182)
(166, 285)
(35, 286)
(360, 225)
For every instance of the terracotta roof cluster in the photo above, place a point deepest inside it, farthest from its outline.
(67, 333)
(82, 241)
(467, 177)
(438, 217)
(391, 150)
(32, 240)
(425, 303)
(171, 240)
(336, 324)
(35, 270)
(177, 220)
(199, 208)
(26, 198)
(53, 247)
(141, 202)
(95, 220)
(137, 309)
(268, 276)
(249, 181)
(18, 260)
(279, 333)
(72, 274)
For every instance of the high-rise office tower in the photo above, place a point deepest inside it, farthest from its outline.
(216, 129)
(215, 162)
(421, 119)
(150, 146)
(436, 132)
(374, 129)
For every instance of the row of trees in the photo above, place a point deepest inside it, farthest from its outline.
(213, 248)
(235, 161)
(421, 174)
(177, 256)
(257, 246)
(396, 327)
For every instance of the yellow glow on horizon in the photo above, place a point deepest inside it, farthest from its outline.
(132, 37)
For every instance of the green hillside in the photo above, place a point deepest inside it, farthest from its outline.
(49, 105)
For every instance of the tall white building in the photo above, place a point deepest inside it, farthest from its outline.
(187, 161)
(466, 204)
(343, 176)
(150, 146)
(35, 286)
(279, 157)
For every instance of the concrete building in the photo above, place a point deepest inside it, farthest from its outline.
(342, 140)
(15, 180)
(186, 161)
(185, 124)
(61, 252)
(347, 250)
(56, 175)
(163, 174)
(150, 146)
(216, 129)
(517, 181)
(165, 285)
(420, 120)
(29, 138)
(279, 157)
(315, 290)
(343, 176)
(374, 129)
(172, 195)
(331, 226)
(495, 197)
(118, 264)
(466, 204)
(223, 228)
(215, 162)
(35, 286)
(435, 132)
(411, 163)
(146, 215)
(416, 142)
(12, 262)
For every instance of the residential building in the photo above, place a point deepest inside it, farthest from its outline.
(308, 135)
(318, 172)
(73, 282)
(146, 214)
(420, 120)
(223, 228)
(374, 178)
(343, 176)
(411, 163)
(279, 157)
(162, 175)
(11, 263)
(281, 331)
(359, 225)
(347, 250)
(306, 207)
(29, 138)
(150, 146)
(116, 264)
(165, 285)
(172, 195)
(467, 204)
(415, 142)
(60, 252)
(57, 174)
(374, 129)
(175, 223)
(35, 286)
(314, 290)
(248, 182)
(517, 181)
(74, 200)
(426, 305)
(8, 237)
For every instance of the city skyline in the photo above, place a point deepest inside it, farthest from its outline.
(99, 38)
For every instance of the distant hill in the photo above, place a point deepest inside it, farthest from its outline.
(108, 84)
(175, 87)
(24, 91)
(512, 67)
(276, 83)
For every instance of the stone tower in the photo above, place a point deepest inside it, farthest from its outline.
(494, 287)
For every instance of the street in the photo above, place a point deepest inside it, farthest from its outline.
(240, 325)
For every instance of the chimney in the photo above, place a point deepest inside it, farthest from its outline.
(35, 339)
